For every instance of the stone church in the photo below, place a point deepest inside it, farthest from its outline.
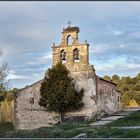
(100, 96)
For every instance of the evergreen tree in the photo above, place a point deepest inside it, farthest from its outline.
(58, 91)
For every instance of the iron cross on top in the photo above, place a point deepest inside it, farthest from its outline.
(69, 23)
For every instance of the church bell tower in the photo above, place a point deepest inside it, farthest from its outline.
(73, 54)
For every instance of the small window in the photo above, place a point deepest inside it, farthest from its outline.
(118, 99)
(63, 56)
(105, 89)
(76, 56)
(32, 100)
(112, 92)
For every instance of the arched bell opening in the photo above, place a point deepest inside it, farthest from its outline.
(63, 56)
(69, 40)
(76, 56)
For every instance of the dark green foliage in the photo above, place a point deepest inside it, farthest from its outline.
(58, 91)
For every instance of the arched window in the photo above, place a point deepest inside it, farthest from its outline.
(63, 56)
(76, 56)
(69, 40)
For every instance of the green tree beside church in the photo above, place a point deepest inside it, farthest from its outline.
(58, 92)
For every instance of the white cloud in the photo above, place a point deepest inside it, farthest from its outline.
(30, 33)
(12, 75)
(122, 46)
(117, 32)
(117, 63)
(32, 27)
(43, 59)
(99, 48)
(46, 57)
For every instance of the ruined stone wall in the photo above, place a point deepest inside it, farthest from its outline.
(30, 116)
(107, 96)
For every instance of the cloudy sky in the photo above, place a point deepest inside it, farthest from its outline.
(28, 30)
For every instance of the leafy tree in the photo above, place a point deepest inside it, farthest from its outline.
(137, 87)
(106, 77)
(125, 100)
(138, 76)
(115, 78)
(10, 94)
(134, 80)
(58, 91)
(128, 80)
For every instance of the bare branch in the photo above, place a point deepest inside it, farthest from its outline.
(3, 72)
(1, 51)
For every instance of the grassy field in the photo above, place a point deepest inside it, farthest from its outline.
(131, 120)
(72, 129)
(6, 128)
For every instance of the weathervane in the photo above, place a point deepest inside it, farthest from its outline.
(69, 23)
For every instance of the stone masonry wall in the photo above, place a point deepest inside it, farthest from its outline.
(88, 83)
(107, 96)
(83, 52)
(31, 116)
